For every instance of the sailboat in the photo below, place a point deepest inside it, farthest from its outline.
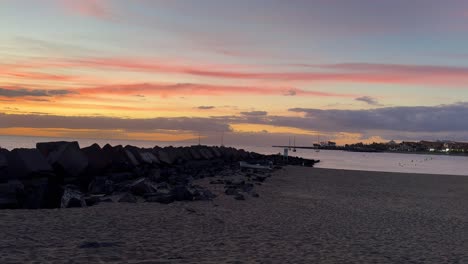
(318, 144)
(294, 148)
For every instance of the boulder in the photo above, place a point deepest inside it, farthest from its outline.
(3, 165)
(66, 158)
(28, 163)
(164, 157)
(101, 185)
(164, 198)
(72, 198)
(128, 198)
(182, 193)
(216, 152)
(239, 197)
(148, 157)
(201, 194)
(142, 186)
(3, 158)
(195, 153)
(205, 153)
(36, 194)
(11, 194)
(132, 160)
(98, 161)
(118, 157)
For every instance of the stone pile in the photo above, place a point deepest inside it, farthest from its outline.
(63, 175)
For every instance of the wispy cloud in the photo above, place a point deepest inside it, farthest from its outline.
(429, 75)
(22, 92)
(368, 100)
(205, 107)
(255, 113)
(166, 90)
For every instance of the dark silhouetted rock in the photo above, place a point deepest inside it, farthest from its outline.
(118, 157)
(65, 157)
(98, 162)
(101, 185)
(36, 194)
(239, 196)
(11, 194)
(193, 150)
(201, 194)
(159, 197)
(164, 157)
(72, 198)
(142, 186)
(92, 200)
(182, 193)
(205, 153)
(28, 163)
(128, 198)
(148, 157)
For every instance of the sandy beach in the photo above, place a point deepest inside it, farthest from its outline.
(303, 215)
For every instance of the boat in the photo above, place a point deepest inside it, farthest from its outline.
(294, 148)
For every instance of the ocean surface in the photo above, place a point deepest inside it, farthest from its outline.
(332, 159)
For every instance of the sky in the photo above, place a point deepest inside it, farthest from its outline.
(248, 71)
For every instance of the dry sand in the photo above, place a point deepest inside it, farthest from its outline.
(303, 215)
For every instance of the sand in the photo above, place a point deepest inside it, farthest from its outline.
(303, 215)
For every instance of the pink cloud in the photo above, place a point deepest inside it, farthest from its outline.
(166, 90)
(399, 74)
(91, 8)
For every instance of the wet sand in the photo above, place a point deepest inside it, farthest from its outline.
(303, 215)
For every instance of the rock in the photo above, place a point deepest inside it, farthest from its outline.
(98, 161)
(36, 194)
(205, 153)
(131, 158)
(3, 165)
(118, 157)
(148, 158)
(239, 197)
(164, 157)
(142, 186)
(259, 178)
(218, 181)
(72, 198)
(65, 157)
(128, 198)
(201, 194)
(118, 177)
(182, 193)
(3, 158)
(28, 163)
(164, 198)
(11, 194)
(194, 153)
(101, 185)
(92, 200)
(216, 152)
(231, 190)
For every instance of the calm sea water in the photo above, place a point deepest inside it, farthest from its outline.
(390, 162)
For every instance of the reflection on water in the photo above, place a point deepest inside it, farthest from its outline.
(391, 162)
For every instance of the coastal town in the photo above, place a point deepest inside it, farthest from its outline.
(427, 147)
(447, 147)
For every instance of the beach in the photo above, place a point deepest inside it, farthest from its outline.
(303, 215)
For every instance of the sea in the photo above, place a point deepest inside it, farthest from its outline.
(332, 159)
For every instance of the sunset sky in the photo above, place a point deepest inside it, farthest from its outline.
(258, 71)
